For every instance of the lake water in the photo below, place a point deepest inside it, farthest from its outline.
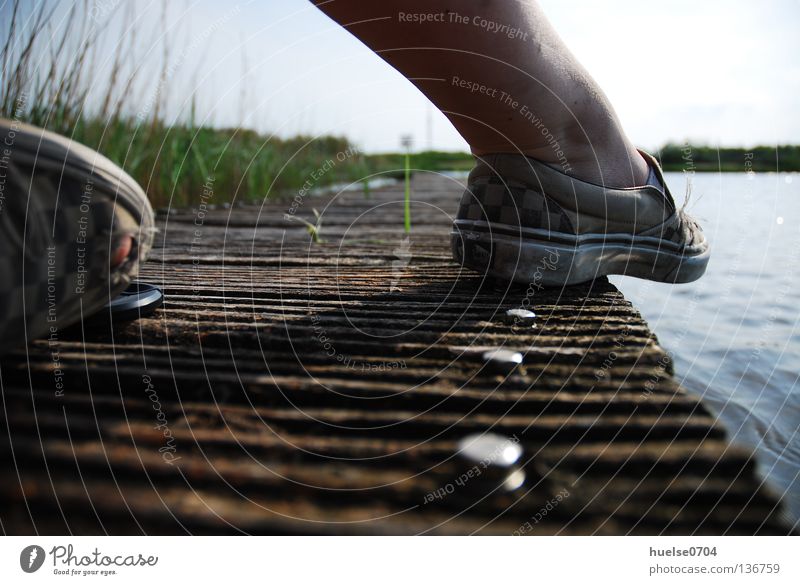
(734, 334)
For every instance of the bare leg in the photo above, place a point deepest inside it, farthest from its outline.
(526, 94)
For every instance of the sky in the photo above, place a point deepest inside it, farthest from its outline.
(715, 72)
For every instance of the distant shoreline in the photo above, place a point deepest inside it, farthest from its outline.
(673, 158)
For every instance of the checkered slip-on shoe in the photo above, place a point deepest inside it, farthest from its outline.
(63, 210)
(522, 220)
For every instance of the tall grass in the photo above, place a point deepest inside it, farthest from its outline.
(57, 74)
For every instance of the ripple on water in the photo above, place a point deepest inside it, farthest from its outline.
(735, 334)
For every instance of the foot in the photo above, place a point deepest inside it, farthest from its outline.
(66, 241)
(524, 221)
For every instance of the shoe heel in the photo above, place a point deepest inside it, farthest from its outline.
(537, 264)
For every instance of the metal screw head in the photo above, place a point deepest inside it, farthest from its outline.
(490, 449)
(496, 457)
(520, 317)
(502, 360)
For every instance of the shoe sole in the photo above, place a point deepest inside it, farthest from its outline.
(547, 259)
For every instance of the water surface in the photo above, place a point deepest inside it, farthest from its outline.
(734, 334)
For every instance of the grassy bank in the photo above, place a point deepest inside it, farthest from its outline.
(173, 162)
(429, 160)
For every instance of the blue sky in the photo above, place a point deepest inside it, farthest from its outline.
(717, 72)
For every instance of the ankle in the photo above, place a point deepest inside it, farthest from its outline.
(614, 168)
(588, 144)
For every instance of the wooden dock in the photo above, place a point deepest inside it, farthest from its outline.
(296, 387)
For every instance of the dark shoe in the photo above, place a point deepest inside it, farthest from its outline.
(64, 208)
(522, 220)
